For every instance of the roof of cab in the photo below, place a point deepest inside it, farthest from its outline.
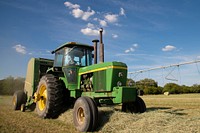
(72, 44)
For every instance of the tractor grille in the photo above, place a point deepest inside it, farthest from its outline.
(100, 81)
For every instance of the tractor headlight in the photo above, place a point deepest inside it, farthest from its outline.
(119, 83)
(120, 74)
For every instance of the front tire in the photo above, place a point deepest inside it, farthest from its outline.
(50, 102)
(94, 110)
(85, 114)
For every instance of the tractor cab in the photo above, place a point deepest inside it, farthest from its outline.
(69, 57)
(73, 54)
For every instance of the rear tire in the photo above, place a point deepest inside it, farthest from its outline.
(134, 107)
(85, 114)
(50, 90)
(19, 98)
(141, 105)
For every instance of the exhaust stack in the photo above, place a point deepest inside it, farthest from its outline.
(95, 50)
(101, 49)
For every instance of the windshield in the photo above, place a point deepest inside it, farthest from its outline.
(77, 56)
(59, 58)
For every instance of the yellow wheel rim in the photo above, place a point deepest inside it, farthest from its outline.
(43, 97)
(14, 100)
(81, 115)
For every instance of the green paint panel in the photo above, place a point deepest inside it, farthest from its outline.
(75, 93)
(99, 81)
(106, 75)
(124, 94)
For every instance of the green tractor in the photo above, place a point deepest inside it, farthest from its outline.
(71, 78)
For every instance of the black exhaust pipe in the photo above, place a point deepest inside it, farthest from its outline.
(95, 50)
(101, 49)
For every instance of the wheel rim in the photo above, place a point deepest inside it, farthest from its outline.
(43, 97)
(80, 115)
(22, 107)
(14, 100)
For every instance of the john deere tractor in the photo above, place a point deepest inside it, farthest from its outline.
(75, 78)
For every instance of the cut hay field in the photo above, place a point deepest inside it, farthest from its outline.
(165, 114)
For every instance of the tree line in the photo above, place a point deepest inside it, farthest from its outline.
(10, 84)
(149, 86)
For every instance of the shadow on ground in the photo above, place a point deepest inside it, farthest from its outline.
(168, 110)
(104, 117)
(157, 108)
(176, 112)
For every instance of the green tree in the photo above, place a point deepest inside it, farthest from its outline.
(195, 88)
(9, 85)
(149, 86)
(147, 82)
(185, 89)
(172, 88)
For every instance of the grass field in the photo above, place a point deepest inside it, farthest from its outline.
(165, 114)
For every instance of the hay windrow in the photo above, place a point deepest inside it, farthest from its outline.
(166, 114)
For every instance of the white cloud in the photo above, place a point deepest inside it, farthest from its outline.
(168, 48)
(127, 51)
(102, 19)
(90, 32)
(135, 45)
(20, 49)
(71, 6)
(90, 25)
(114, 35)
(78, 13)
(87, 14)
(122, 12)
(111, 18)
(103, 23)
(132, 49)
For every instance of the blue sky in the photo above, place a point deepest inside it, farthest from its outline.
(142, 33)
